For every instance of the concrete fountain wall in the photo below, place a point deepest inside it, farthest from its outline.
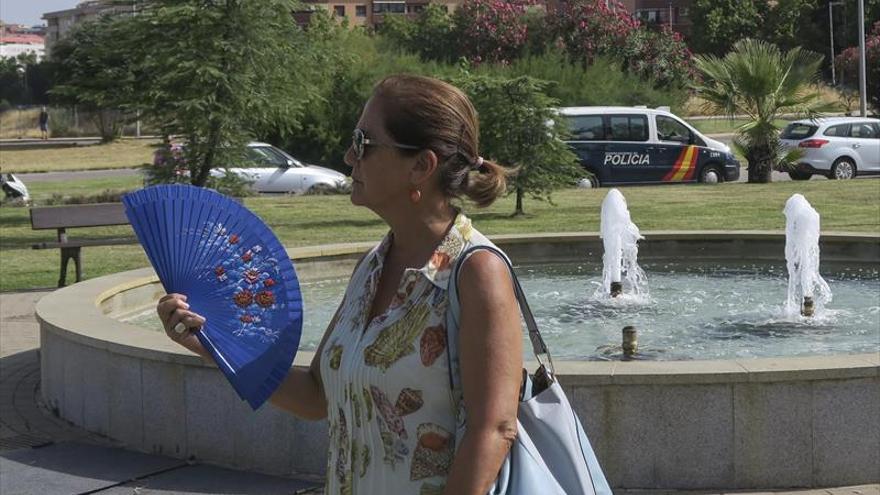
(756, 423)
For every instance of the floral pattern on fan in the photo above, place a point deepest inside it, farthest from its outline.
(246, 277)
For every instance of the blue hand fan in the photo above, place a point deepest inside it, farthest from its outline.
(233, 271)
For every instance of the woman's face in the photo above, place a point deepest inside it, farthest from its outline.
(381, 178)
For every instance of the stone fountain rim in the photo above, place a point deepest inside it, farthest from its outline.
(91, 327)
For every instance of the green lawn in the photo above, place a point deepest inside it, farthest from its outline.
(123, 153)
(722, 125)
(310, 220)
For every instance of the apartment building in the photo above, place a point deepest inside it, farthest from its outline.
(369, 13)
(673, 13)
(60, 22)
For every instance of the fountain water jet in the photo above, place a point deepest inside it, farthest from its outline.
(620, 238)
(807, 291)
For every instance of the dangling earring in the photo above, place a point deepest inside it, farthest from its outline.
(415, 196)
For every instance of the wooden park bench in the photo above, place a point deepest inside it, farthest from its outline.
(62, 218)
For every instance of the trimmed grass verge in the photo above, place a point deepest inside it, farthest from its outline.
(123, 153)
(852, 206)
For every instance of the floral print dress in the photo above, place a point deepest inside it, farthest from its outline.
(391, 414)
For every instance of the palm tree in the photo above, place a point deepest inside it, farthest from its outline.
(758, 80)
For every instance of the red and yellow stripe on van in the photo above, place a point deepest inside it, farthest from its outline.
(685, 166)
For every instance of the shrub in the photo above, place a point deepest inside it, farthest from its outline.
(106, 196)
(604, 82)
(848, 64)
(491, 30)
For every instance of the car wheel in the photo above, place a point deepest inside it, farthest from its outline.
(843, 169)
(798, 175)
(710, 175)
(320, 189)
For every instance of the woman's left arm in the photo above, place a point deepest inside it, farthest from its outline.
(490, 355)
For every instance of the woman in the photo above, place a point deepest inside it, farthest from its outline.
(380, 374)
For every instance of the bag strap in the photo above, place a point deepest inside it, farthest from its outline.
(539, 347)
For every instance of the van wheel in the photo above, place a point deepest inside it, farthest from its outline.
(590, 182)
(710, 175)
(843, 169)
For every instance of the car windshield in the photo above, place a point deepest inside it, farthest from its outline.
(268, 156)
(798, 131)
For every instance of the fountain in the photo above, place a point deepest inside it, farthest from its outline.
(717, 409)
(807, 290)
(620, 237)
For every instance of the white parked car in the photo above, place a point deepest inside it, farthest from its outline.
(274, 171)
(836, 147)
(271, 170)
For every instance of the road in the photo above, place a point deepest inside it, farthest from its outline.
(100, 174)
(78, 175)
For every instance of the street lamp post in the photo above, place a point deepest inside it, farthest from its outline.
(863, 86)
(831, 33)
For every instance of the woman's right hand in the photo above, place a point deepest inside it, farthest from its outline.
(180, 323)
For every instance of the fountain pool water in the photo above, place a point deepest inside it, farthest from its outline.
(695, 312)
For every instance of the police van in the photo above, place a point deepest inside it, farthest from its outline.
(637, 145)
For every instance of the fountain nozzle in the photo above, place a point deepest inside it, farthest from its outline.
(807, 309)
(616, 289)
(630, 341)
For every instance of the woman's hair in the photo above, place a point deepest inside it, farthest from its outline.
(432, 114)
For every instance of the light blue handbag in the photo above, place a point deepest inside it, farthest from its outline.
(551, 454)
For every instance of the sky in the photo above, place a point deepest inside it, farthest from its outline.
(29, 11)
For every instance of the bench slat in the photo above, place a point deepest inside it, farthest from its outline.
(94, 215)
(83, 243)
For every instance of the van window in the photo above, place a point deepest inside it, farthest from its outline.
(798, 131)
(628, 127)
(586, 128)
(669, 129)
(863, 130)
(837, 130)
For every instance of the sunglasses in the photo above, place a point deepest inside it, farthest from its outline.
(359, 142)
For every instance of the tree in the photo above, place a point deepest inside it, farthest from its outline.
(12, 86)
(430, 35)
(718, 24)
(92, 72)
(519, 128)
(759, 80)
(848, 64)
(217, 73)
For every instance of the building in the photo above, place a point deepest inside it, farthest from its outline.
(370, 13)
(59, 23)
(16, 39)
(673, 13)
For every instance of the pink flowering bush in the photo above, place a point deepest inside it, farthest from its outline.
(848, 65)
(492, 30)
(661, 56)
(590, 28)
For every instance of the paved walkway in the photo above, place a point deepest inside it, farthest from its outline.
(43, 454)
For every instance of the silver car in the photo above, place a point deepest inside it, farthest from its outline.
(836, 147)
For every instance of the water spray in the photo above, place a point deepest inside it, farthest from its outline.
(620, 238)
